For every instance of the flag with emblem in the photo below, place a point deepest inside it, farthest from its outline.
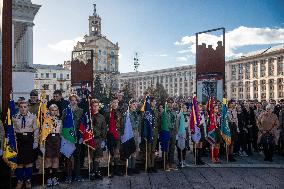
(42, 109)
(211, 135)
(195, 121)
(10, 143)
(224, 128)
(68, 136)
(148, 121)
(181, 136)
(86, 130)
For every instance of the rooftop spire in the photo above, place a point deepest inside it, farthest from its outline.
(95, 10)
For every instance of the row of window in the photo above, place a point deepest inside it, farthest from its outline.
(54, 75)
(54, 86)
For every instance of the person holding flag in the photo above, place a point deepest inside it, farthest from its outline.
(150, 132)
(27, 134)
(181, 135)
(218, 137)
(99, 131)
(197, 123)
(232, 115)
(50, 144)
(131, 122)
(70, 138)
(113, 120)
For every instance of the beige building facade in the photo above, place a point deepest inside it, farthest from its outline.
(51, 78)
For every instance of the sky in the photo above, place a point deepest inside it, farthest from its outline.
(161, 31)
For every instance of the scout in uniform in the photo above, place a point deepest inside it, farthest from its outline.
(27, 134)
(52, 147)
(113, 120)
(99, 130)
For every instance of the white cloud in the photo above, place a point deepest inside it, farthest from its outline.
(65, 45)
(239, 37)
(182, 59)
(184, 51)
(159, 55)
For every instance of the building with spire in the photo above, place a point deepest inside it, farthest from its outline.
(105, 52)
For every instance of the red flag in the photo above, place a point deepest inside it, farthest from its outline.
(87, 133)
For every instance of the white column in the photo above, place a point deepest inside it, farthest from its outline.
(30, 45)
(275, 84)
(25, 49)
(267, 89)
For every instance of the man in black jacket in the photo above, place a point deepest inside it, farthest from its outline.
(59, 101)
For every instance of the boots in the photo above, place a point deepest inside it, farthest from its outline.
(198, 157)
(19, 184)
(28, 184)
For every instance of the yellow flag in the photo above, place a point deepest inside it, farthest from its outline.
(46, 129)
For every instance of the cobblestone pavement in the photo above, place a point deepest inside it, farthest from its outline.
(246, 172)
(203, 177)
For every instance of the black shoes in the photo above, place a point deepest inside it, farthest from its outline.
(96, 175)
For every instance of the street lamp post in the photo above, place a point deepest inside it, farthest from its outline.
(136, 65)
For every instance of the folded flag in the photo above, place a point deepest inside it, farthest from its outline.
(10, 143)
(127, 139)
(224, 128)
(211, 135)
(68, 138)
(42, 109)
(148, 121)
(86, 129)
(181, 132)
(164, 135)
(195, 121)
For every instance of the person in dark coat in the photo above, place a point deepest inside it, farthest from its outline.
(59, 101)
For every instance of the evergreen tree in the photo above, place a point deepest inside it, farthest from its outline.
(127, 92)
(160, 94)
(98, 88)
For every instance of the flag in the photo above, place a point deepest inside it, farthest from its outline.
(68, 138)
(127, 139)
(148, 121)
(86, 129)
(10, 144)
(164, 134)
(225, 129)
(211, 135)
(45, 129)
(181, 132)
(195, 121)
(42, 109)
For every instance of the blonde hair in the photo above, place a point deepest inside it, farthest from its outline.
(54, 106)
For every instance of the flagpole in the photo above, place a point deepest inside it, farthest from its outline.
(108, 171)
(212, 153)
(227, 155)
(164, 161)
(89, 162)
(195, 153)
(181, 158)
(146, 158)
(43, 157)
(126, 166)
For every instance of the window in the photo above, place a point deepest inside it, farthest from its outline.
(61, 86)
(100, 52)
(54, 86)
(61, 76)
(54, 75)
(47, 75)
(42, 75)
(67, 76)
(36, 75)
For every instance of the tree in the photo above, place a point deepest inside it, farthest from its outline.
(160, 94)
(98, 88)
(127, 92)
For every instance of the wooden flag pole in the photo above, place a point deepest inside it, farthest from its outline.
(227, 154)
(43, 157)
(212, 153)
(89, 163)
(195, 153)
(108, 171)
(126, 167)
(164, 161)
(146, 157)
(181, 158)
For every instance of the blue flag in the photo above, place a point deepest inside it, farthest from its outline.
(148, 121)
(164, 135)
(10, 145)
(127, 139)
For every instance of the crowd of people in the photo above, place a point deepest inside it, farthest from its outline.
(253, 127)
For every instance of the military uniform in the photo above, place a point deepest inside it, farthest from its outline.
(113, 137)
(27, 134)
(33, 107)
(172, 124)
(99, 130)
